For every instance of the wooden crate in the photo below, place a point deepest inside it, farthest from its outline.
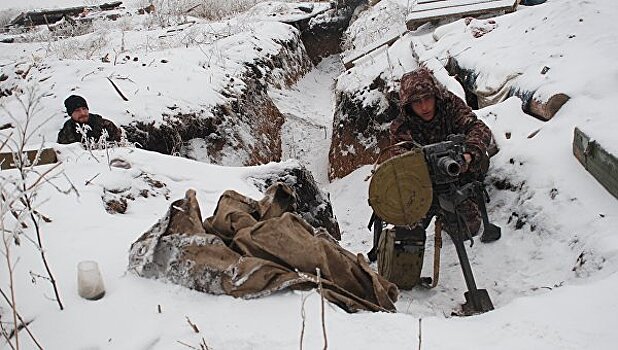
(602, 164)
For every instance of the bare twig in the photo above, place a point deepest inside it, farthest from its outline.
(6, 336)
(88, 182)
(117, 89)
(42, 176)
(322, 307)
(195, 329)
(27, 193)
(24, 323)
(203, 345)
(36, 275)
(193, 8)
(187, 345)
(11, 302)
(37, 229)
(73, 188)
(8, 138)
(303, 316)
(420, 333)
(14, 212)
(93, 72)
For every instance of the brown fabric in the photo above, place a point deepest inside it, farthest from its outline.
(235, 211)
(289, 242)
(282, 251)
(453, 116)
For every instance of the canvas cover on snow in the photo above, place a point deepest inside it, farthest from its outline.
(253, 248)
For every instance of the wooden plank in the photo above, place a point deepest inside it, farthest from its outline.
(416, 18)
(601, 164)
(428, 1)
(348, 59)
(421, 7)
(47, 156)
(473, 7)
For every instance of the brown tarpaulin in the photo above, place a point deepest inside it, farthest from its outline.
(253, 248)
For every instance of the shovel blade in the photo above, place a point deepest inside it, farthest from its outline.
(477, 302)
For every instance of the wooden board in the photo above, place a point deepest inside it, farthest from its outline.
(48, 17)
(47, 156)
(453, 9)
(599, 162)
(440, 4)
(349, 58)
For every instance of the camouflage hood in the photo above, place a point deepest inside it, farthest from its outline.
(417, 84)
(414, 86)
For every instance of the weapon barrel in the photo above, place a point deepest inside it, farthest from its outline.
(449, 166)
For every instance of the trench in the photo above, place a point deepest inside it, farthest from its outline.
(519, 264)
(308, 108)
(522, 263)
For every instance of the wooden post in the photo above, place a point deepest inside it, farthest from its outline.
(602, 164)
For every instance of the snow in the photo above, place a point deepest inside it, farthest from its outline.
(552, 276)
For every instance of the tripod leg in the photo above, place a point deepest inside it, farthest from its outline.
(436, 254)
(377, 231)
(491, 232)
(477, 300)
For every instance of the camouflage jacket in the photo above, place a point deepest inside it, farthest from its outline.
(95, 126)
(452, 116)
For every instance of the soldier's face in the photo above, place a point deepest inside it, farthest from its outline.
(425, 107)
(80, 115)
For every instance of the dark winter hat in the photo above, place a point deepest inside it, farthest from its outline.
(417, 84)
(74, 102)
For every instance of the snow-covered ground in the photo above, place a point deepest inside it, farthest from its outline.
(552, 276)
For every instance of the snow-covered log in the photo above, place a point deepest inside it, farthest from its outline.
(536, 103)
(47, 17)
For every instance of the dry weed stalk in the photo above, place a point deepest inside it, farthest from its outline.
(321, 290)
(420, 333)
(11, 302)
(25, 188)
(24, 324)
(18, 197)
(193, 326)
(303, 316)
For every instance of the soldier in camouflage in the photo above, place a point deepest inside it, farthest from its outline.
(428, 114)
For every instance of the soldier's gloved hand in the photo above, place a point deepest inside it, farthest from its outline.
(468, 159)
